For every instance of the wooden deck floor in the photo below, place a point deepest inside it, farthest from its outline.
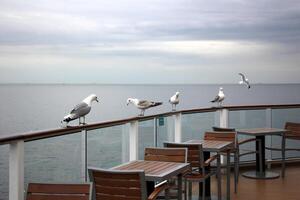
(250, 189)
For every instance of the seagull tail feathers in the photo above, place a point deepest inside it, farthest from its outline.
(156, 104)
(68, 118)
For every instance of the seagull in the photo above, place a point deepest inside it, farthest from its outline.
(80, 110)
(220, 97)
(174, 100)
(244, 80)
(142, 104)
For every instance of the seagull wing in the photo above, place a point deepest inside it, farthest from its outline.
(144, 104)
(81, 109)
(242, 76)
(217, 98)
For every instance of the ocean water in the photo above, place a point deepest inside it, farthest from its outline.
(36, 107)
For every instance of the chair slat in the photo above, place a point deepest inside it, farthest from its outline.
(115, 197)
(294, 130)
(117, 182)
(116, 176)
(165, 154)
(124, 191)
(56, 197)
(58, 188)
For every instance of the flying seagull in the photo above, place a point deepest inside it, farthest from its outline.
(244, 80)
(174, 100)
(220, 97)
(142, 104)
(80, 110)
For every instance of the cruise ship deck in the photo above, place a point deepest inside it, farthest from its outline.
(272, 189)
(64, 154)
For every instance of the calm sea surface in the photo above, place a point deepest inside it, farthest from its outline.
(35, 107)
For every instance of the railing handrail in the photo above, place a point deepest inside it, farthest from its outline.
(29, 136)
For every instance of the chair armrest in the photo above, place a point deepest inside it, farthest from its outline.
(246, 141)
(212, 158)
(158, 190)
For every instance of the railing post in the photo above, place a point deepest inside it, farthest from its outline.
(224, 114)
(16, 170)
(269, 142)
(133, 140)
(224, 118)
(178, 134)
(84, 154)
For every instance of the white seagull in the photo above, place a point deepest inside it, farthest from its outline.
(80, 110)
(142, 104)
(174, 100)
(220, 97)
(244, 80)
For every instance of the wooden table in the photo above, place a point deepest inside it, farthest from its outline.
(157, 171)
(260, 133)
(216, 147)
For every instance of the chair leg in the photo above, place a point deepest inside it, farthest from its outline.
(235, 172)
(167, 194)
(190, 190)
(238, 166)
(203, 190)
(185, 189)
(283, 156)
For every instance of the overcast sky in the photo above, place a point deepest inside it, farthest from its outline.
(149, 41)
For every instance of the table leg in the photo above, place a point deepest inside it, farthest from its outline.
(260, 172)
(228, 175)
(179, 187)
(206, 155)
(219, 177)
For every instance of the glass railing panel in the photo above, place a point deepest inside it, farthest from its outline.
(108, 147)
(56, 159)
(195, 125)
(4, 171)
(146, 137)
(165, 130)
(279, 118)
(244, 119)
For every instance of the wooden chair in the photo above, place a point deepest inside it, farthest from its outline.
(292, 134)
(50, 191)
(196, 159)
(168, 155)
(229, 134)
(121, 185)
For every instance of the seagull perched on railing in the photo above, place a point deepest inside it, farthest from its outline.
(220, 97)
(244, 80)
(80, 110)
(142, 104)
(174, 100)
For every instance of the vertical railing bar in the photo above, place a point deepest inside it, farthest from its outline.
(224, 113)
(178, 125)
(133, 140)
(84, 154)
(269, 125)
(16, 170)
(155, 131)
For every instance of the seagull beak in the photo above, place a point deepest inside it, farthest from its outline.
(127, 104)
(97, 100)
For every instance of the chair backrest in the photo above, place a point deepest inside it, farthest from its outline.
(194, 153)
(294, 130)
(50, 191)
(215, 128)
(166, 154)
(118, 184)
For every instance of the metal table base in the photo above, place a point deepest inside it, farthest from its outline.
(264, 175)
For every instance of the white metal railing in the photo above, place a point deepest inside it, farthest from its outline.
(16, 147)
